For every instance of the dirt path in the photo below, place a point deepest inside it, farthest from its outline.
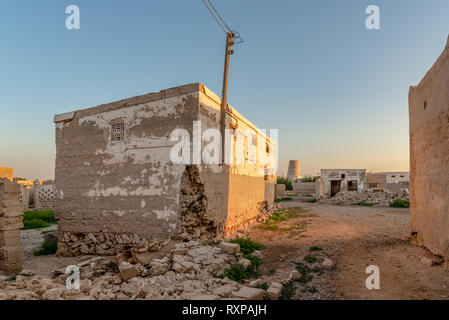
(353, 238)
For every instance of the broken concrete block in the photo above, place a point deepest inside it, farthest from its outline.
(158, 267)
(327, 264)
(427, 261)
(245, 263)
(249, 293)
(295, 275)
(128, 271)
(274, 291)
(257, 254)
(229, 248)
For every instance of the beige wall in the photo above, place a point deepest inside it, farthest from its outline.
(7, 173)
(429, 158)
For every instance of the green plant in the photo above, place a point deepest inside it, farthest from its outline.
(400, 203)
(263, 286)
(283, 199)
(271, 271)
(312, 200)
(308, 179)
(288, 290)
(271, 227)
(286, 181)
(48, 247)
(248, 246)
(236, 272)
(363, 204)
(315, 248)
(38, 219)
(339, 203)
(310, 259)
(255, 264)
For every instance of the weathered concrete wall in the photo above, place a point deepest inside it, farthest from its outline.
(304, 187)
(124, 191)
(429, 158)
(343, 177)
(115, 193)
(246, 184)
(280, 191)
(11, 216)
(7, 173)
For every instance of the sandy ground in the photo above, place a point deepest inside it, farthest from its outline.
(353, 237)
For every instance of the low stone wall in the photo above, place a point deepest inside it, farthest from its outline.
(304, 187)
(11, 216)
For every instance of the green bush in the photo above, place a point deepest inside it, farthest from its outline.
(308, 179)
(238, 273)
(248, 246)
(48, 247)
(288, 183)
(38, 219)
(315, 248)
(399, 203)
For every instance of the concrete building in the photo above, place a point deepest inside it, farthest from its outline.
(293, 170)
(429, 158)
(117, 183)
(392, 181)
(332, 181)
(6, 173)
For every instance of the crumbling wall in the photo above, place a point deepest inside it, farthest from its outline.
(429, 158)
(193, 202)
(114, 193)
(11, 216)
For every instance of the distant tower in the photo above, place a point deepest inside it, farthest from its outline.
(293, 170)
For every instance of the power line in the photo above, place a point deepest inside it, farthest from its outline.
(215, 17)
(219, 16)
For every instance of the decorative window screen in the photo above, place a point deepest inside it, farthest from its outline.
(118, 132)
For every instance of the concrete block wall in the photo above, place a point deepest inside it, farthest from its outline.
(11, 216)
(44, 197)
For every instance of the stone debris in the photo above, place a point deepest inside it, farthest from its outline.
(229, 248)
(377, 197)
(274, 291)
(427, 261)
(249, 293)
(186, 272)
(327, 264)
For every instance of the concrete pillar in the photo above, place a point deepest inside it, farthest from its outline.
(280, 191)
(293, 170)
(11, 217)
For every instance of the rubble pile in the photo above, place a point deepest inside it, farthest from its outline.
(376, 197)
(186, 273)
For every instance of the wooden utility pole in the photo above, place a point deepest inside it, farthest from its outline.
(224, 94)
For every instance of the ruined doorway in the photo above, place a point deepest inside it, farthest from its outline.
(352, 185)
(335, 187)
(193, 205)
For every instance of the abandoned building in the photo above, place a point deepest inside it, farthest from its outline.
(392, 181)
(116, 184)
(293, 172)
(332, 181)
(429, 158)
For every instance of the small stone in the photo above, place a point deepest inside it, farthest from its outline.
(54, 294)
(205, 297)
(257, 254)
(255, 283)
(295, 275)
(128, 271)
(245, 263)
(27, 273)
(249, 293)
(327, 264)
(229, 248)
(427, 261)
(274, 291)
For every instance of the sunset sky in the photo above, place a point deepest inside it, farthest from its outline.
(337, 92)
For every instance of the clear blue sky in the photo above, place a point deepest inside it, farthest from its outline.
(336, 91)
